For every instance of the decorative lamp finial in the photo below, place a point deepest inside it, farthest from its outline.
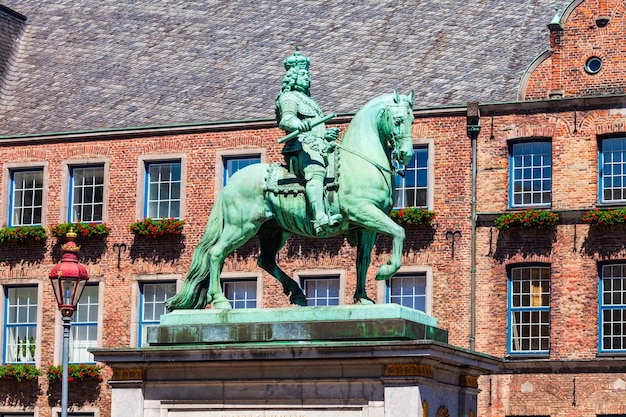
(296, 60)
(70, 246)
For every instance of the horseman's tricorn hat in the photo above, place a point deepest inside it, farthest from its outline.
(296, 60)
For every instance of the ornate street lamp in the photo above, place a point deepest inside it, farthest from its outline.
(68, 279)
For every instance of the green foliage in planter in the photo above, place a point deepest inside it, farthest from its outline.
(157, 227)
(75, 371)
(609, 217)
(413, 215)
(527, 218)
(19, 372)
(21, 233)
(81, 229)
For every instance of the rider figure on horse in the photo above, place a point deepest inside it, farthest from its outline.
(307, 154)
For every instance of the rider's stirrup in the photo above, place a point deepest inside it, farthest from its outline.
(322, 222)
(334, 220)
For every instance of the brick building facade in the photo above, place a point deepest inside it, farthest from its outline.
(551, 302)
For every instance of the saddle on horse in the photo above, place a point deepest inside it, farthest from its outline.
(282, 183)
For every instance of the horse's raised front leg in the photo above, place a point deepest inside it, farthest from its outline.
(270, 241)
(374, 220)
(365, 240)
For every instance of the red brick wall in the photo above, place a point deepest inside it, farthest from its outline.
(554, 395)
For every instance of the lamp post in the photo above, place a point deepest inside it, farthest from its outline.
(68, 279)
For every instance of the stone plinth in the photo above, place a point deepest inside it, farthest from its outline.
(377, 322)
(312, 364)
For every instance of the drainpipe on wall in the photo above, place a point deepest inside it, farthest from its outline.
(473, 129)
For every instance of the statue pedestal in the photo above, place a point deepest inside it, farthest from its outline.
(347, 361)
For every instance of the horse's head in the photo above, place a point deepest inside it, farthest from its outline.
(395, 126)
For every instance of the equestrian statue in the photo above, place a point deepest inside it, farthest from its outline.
(326, 188)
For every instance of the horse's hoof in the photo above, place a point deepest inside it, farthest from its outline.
(385, 272)
(221, 303)
(298, 299)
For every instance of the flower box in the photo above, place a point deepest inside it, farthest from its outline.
(413, 215)
(81, 229)
(75, 372)
(22, 233)
(19, 372)
(155, 228)
(529, 218)
(608, 217)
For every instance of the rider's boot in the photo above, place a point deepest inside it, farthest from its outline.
(315, 194)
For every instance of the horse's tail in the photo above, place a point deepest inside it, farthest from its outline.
(193, 294)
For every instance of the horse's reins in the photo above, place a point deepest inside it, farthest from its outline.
(360, 155)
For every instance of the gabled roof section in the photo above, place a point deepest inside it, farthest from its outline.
(584, 59)
(86, 65)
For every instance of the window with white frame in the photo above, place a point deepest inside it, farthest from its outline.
(152, 304)
(26, 201)
(321, 290)
(86, 197)
(20, 324)
(233, 164)
(612, 308)
(162, 189)
(412, 189)
(84, 330)
(240, 292)
(530, 174)
(612, 170)
(408, 290)
(529, 309)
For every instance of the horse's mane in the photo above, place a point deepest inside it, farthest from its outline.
(366, 117)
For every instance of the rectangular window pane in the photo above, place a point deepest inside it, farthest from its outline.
(531, 174)
(163, 189)
(613, 170)
(408, 290)
(87, 194)
(84, 330)
(412, 190)
(26, 197)
(529, 308)
(240, 293)
(232, 165)
(322, 291)
(20, 324)
(152, 304)
(613, 308)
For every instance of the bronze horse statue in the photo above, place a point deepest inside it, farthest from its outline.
(378, 137)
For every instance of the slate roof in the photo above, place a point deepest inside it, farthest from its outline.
(91, 65)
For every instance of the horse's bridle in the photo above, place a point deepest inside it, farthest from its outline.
(397, 167)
